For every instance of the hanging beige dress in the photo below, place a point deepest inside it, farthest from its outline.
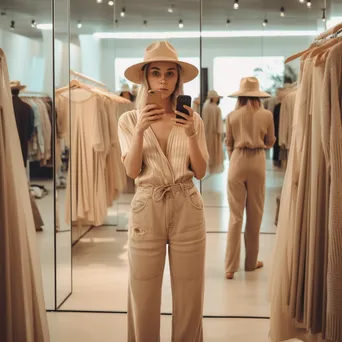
(22, 308)
(213, 125)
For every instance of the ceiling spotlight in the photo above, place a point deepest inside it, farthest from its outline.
(12, 25)
(145, 23)
(170, 9)
(282, 11)
(308, 3)
(301, 1)
(99, 1)
(236, 4)
(180, 24)
(123, 12)
(3, 14)
(324, 15)
(265, 23)
(228, 23)
(79, 25)
(33, 23)
(111, 3)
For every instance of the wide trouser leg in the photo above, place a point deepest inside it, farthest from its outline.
(254, 208)
(187, 240)
(237, 199)
(146, 253)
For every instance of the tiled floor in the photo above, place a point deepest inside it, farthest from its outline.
(100, 274)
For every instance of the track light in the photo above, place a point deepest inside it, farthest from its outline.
(145, 23)
(116, 23)
(308, 3)
(79, 24)
(282, 11)
(111, 3)
(180, 25)
(12, 25)
(170, 9)
(236, 4)
(324, 15)
(123, 12)
(302, 1)
(228, 23)
(265, 23)
(33, 23)
(99, 1)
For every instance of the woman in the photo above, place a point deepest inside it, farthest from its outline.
(250, 130)
(163, 154)
(213, 124)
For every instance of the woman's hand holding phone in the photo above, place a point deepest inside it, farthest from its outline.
(150, 114)
(187, 121)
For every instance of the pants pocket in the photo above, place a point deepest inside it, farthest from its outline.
(139, 202)
(195, 199)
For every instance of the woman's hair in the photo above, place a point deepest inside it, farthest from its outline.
(218, 101)
(145, 87)
(253, 103)
(131, 97)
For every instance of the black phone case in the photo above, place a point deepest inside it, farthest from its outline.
(181, 101)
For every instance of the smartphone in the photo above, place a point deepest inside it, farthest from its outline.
(181, 101)
(155, 97)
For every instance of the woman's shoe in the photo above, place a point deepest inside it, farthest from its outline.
(230, 275)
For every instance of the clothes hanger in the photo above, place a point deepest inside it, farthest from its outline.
(299, 54)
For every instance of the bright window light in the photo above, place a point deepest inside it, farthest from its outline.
(333, 21)
(205, 34)
(44, 26)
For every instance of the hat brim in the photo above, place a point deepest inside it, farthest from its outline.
(21, 87)
(261, 94)
(135, 73)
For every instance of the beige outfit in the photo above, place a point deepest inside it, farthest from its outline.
(166, 209)
(22, 308)
(213, 124)
(248, 134)
(286, 119)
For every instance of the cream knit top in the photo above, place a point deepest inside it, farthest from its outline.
(248, 129)
(159, 168)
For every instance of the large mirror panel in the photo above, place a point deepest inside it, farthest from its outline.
(247, 39)
(28, 49)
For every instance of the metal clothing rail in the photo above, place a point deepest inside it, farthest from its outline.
(84, 77)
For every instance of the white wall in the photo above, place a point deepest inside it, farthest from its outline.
(241, 47)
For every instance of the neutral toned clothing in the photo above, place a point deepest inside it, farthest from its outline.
(159, 168)
(164, 215)
(213, 125)
(248, 134)
(246, 188)
(286, 119)
(166, 210)
(22, 308)
(249, 129)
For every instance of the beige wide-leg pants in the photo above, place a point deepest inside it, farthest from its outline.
(164, 215)
(246, 188)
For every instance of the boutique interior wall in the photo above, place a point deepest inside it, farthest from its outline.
(27, 57)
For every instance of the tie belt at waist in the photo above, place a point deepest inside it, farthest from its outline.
(158, 192)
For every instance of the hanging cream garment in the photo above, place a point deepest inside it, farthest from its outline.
(22, 308)
(332, 145)
(213, 125)
(286, 119)
(86, 175)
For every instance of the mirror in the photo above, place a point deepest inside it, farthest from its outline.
(62, 55)
(254, 39)
(28, 50)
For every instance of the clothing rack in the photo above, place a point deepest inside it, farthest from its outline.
(87, 78)
(35, 93)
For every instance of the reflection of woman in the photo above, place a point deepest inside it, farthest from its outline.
(163, 153)
(250, 130)
(213, 124)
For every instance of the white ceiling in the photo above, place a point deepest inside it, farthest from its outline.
(101, 17)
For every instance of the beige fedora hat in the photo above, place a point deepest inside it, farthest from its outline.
(160, 52)
(249, 87)
(17, 85)
(213, 94)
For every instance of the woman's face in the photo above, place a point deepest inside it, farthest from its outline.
(163, 76)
